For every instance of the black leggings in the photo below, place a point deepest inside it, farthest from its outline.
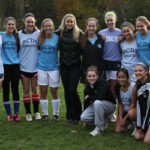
(11, 75)
(70, 77)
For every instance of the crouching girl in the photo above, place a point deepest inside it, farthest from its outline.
(99, 99)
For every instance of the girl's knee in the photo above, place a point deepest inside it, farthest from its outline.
(147, 141)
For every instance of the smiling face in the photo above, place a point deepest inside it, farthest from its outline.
(122, 79)
(48, 27)
(10, 26)
(140, 72)
(110, 22)
(141, 27)
(92, 77)
(91, 27)
(69, 23)
(29, 24)
(127, 32)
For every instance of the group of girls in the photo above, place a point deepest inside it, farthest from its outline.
(101, 60)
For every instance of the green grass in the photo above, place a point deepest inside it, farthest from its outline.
(38, 135)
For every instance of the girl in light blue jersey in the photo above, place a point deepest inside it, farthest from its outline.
(28, 55)
(130, 56)
(11, 67)
(125, 92)
(143, 38)
(48, 68)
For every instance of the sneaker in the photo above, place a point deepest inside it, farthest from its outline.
(95, 132)
(17, 118)
(10, 118)
(28, 117)
(56, 118)
(113, 118)
(45, 117)
(37, 116)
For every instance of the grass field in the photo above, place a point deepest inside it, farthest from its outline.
(49, 135)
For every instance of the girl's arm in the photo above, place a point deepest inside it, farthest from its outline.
(120, 109)
(134, 98)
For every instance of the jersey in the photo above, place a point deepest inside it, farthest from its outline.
(48, 58)
(1, 63)
(28, 52)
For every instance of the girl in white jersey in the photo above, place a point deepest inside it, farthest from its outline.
(28, 64)
(48, 68)
(125, 92)
(129, 50)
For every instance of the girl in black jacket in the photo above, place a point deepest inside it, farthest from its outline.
(70, 61)
(99, 99)
(92, 46)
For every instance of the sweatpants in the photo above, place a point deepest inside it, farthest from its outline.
(98, 112)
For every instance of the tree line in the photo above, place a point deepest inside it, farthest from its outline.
(126, 10)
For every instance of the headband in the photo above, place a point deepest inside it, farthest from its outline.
(142, 64)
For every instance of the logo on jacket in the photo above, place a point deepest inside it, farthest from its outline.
(99, 45)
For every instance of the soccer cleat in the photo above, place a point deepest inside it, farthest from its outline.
(56, 118)
(45, 117)
(17, 118)
(96, 131)
(113, 118)
(37, 116)
(28, 117)
(10, 118)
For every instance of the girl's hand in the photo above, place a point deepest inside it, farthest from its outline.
(103, 37)
(120, 38)
(86, 97)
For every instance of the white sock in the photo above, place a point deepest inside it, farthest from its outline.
(56, 104)
(44, 106)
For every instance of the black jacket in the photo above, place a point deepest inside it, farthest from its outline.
(70, 51)
(100, 91)
(93, 54)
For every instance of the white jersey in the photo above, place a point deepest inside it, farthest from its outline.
(28, 52)
(1, 63)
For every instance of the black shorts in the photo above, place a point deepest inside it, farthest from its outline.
(112, 65)
(28, 74)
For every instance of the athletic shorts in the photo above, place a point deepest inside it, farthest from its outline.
(28, 74)
(132, 78)
(50, 78)
(111, 75)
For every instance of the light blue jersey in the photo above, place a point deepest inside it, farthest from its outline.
(9, 49)
(130, 56)
(28, 52)
(48, 59)
(143, 45)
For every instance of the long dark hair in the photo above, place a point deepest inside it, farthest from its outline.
(15, 32)
(117, 88)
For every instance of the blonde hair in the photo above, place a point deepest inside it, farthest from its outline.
(110, 13)
(144, 20)
(42, 32)
(76, 30)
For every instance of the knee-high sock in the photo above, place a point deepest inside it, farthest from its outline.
(44, 106)
(56, 104)
(35, 101)
(26, 101)
(16, 106)
(7, 107)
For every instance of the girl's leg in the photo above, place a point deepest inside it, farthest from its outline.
(26, 96)
(55, 103)
(35, 95)
(147, 137)
(44, 101)
(132, 114)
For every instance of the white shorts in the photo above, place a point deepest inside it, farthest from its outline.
(111, 75)
(50, 78)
